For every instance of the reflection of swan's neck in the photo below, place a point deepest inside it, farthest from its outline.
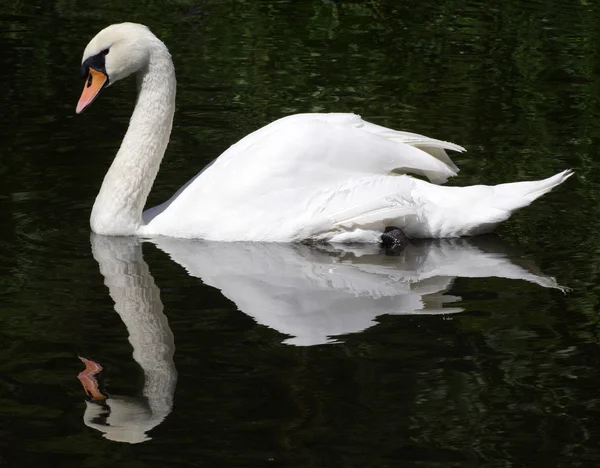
(119, 205)
(137, 301)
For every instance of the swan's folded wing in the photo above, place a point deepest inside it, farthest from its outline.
(303, 154)
(334, 147)
(367, 202)
(436, 148)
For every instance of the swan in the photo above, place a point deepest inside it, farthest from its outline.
(324, 177)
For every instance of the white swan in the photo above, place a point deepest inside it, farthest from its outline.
(331, 177)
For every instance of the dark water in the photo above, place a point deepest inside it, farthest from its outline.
(457, 354)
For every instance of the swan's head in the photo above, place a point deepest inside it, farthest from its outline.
(114, 53)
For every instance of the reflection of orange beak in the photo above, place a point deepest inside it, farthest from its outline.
(94, 83)
(89, 382)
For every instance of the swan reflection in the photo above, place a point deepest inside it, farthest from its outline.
(137, 301)
(314, 293)
(310, 293)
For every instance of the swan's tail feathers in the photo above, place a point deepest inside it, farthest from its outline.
(491, 205)
(520, 194)
(422, 209)
(477, 209)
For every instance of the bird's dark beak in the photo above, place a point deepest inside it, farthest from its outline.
(94, 83)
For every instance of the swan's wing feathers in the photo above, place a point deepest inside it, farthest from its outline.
(366, 202)
(439, 152)
(301, 154)
(432, 146)
(336, 145)
(407, 137)
(380, 150)
(381, 215)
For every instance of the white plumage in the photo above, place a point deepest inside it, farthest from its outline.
(329, 177)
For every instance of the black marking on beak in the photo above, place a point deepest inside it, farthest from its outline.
(97, 62)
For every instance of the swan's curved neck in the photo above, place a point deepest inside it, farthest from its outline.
(120, 202)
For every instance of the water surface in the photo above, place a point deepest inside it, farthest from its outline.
(460, 353)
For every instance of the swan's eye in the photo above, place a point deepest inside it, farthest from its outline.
(105, 52)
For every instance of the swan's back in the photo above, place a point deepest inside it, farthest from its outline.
(277, 170)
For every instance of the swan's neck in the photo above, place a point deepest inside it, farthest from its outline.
(119, 205)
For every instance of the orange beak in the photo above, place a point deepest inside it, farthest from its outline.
(94, 83)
